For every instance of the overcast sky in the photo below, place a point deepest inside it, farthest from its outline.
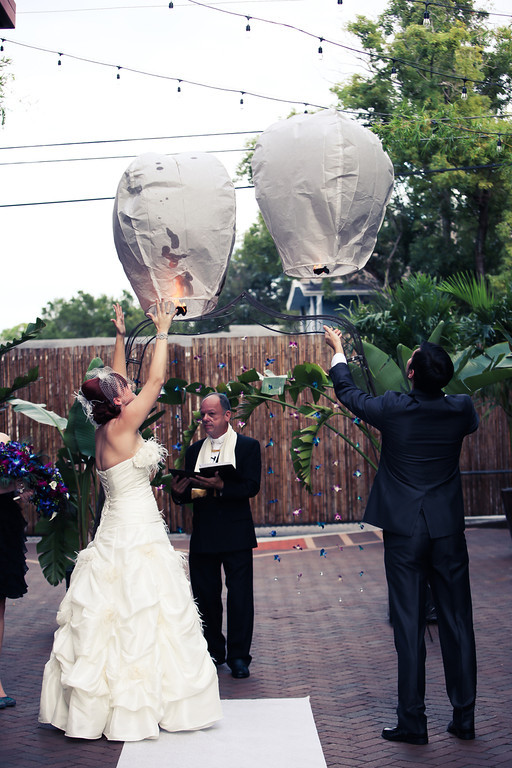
(54, 250)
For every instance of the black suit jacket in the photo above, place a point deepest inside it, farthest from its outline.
(419, 464)
(224, 523)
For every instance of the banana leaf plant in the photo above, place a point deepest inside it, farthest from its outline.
(472, 373)
(30, 332)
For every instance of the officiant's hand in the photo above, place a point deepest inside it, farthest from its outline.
(215, 483)
(180, 484)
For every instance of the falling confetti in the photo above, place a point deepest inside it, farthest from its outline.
(273, 533)
(357, 445)
(319, 493)
(177, 389)
(361, 525)
(198, 357)
(357, 473)
(173, 362)
(340, 577)
(294, 415)
(297, 546)
(316, 440)
(315, 384)
(276, 557)
(244, 338)
(317, 415)
(296, 512)
(299, 576)
(323, 553)
(361, 573)
(340, 548)
(361, 547)
(321, 525)
(317, 466)
(270, 443)
(293, 345)
(243, 368)
(241, 424)
(336, 488)
(337, 517)
(270, 471)
(273, 501)
(177, 446)
(271, 415)
(356, 420)
(335, 463)
(360, 498)
(221, 365)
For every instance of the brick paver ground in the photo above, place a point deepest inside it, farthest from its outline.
(322, 631)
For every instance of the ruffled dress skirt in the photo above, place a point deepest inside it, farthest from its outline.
(13, 566)
(129, 656)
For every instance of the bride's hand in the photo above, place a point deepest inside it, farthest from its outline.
(165, 311)
(118, 320)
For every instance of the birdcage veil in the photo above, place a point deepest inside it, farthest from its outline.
(109, 382)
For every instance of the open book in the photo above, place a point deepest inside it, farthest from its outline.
(226, 471)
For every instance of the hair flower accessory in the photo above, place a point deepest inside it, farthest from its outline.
(19, 462)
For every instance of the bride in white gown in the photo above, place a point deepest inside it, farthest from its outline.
(129, 656)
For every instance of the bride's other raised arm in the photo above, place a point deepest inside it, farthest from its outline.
(119, 364)
(138, 408)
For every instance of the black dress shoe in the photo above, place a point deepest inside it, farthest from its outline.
(399, 734)
(239, 668)
(461, 733)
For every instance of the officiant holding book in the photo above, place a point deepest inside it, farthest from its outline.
(223, 534)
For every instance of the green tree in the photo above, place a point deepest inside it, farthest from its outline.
(85, 316)
(414, 91)
(256, 269)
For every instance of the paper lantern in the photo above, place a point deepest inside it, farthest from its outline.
(174, 229)
(322, 183)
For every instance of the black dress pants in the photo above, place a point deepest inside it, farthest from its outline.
(412, 562)
(206, 581)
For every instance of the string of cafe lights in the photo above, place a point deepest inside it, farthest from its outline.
(394, 60)
(182, 81)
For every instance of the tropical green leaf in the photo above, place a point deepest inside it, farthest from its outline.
(79, 432)
(38, 412)
(249, 376)
(19, 382)
(58, 546)
(174, 392)
(32, 330)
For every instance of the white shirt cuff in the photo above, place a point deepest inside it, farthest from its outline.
(339, 357)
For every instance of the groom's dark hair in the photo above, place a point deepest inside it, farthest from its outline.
(432, 366)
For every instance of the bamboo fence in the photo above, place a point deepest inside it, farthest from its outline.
(341, 478)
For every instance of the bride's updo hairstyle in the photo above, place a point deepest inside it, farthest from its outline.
(97, 395)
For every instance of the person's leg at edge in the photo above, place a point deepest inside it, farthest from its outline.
(206, 583)
(2, 623)
(405, 560)
(452, 595)
(238, 567)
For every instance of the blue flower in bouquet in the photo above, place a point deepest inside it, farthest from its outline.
(19, 462)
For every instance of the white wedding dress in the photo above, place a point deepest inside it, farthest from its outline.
(129, 656)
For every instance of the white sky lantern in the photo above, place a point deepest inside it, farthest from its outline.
(322, 183)
(174, 229)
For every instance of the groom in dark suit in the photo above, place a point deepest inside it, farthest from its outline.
(416, 499)
(223, 533)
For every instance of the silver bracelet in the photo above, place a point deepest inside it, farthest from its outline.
(161, 336)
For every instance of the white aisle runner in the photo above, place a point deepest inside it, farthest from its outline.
(254, 733)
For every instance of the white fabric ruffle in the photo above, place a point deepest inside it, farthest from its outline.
(129, 656)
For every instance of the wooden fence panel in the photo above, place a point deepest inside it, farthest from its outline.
(341, 478)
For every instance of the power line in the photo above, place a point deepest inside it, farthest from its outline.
(398, 174)
(110, 157)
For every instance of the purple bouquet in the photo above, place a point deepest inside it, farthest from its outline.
(19, 463)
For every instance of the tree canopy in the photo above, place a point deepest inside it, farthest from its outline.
(437, 95)
(85, 316)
